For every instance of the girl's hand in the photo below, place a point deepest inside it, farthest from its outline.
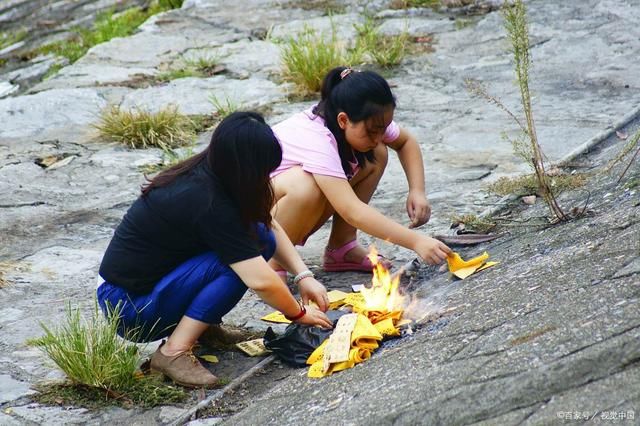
(315, 316)
(431, 250)
(311, 290)
(418, 208)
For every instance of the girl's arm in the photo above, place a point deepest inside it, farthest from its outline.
(410, 156)
(259, 277)
(364, 217)
(287, 256)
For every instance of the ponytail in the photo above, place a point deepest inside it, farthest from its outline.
(361, 95)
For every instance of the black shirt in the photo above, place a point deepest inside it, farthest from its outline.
(174, 223)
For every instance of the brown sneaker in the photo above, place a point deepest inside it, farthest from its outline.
(219, 336)
(184, 369)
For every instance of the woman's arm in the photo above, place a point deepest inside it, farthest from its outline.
(364, 217)
(410, 156)
(287, 256)
(259, 277)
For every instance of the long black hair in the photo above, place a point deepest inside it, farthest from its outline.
(361, 95)
(242, 153)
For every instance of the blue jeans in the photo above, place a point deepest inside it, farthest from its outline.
(202, 288)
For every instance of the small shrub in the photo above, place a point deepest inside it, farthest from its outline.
(308, 57)
(165, 129)
(526, 144)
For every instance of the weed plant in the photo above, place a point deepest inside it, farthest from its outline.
(526, 145)
(9, 38)
(108, 25)
(386, 51)
(94, 357)
(224, 107)
(628, 149)
(528, 184)
(308, 57)
(137, 128)
(204, 66)
(474, 223)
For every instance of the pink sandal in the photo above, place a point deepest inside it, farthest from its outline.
(334, 260)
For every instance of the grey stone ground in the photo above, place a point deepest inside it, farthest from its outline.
(56, 223)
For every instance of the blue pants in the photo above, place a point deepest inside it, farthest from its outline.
(202, 288)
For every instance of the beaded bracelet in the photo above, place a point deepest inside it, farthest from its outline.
(302, 275)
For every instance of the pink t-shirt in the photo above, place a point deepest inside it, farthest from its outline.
(307, 142)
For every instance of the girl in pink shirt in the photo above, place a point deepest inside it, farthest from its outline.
(333, 158)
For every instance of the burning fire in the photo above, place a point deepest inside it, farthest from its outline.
(383, 295)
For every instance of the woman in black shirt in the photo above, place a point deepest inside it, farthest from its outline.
(194, 241)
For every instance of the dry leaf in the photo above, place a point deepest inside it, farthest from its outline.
(621, 135)
(529, 199)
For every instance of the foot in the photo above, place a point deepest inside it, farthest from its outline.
(350, 257)
(183, 368)
(219, 336)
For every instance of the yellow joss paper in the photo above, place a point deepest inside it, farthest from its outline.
(318, 353)
(356, 300)
(386, 328)
(336, 296)
(462, 269)
(275, 317)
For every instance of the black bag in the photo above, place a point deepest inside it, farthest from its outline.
(299, 341)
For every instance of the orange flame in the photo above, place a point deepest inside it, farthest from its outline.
(383, 295)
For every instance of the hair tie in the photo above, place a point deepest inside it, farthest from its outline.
(345, 72)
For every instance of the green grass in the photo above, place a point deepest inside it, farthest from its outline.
(309, 56)
(201, 67)
(224, 106)
(165, 129)
(95, 359)
(474, 223)
(108, 25)
(9, 38)
(386, 51)
(434, 4)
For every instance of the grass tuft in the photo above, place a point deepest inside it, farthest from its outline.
(528, 184)
(308, 57)
(473, 223)
(224, 107)
(633, 144)
(98, 362)
(201, 67)
(108, 25)
(386, 51)
(405, 4)
(9, 38)
(165, 129)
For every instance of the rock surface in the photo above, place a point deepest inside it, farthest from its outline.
(553, 329)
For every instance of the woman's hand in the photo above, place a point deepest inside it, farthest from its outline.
(312, 290)
(418, 208)
(431, 250)
(315, 316)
